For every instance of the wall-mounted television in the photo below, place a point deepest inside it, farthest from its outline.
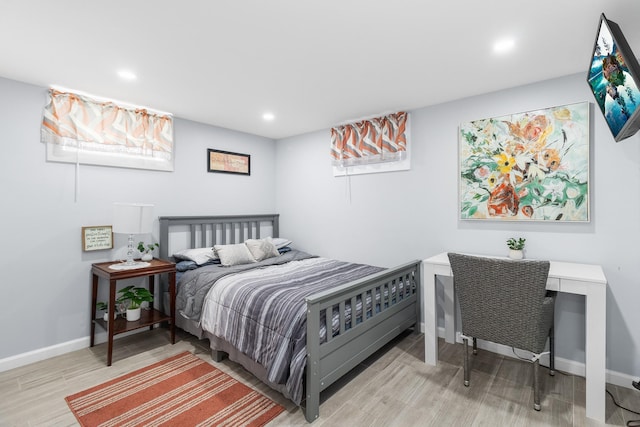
(614, 78)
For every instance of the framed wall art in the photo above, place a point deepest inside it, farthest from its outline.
(228, 162)
(95, 238)
(531, 166)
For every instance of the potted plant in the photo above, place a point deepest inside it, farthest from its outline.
(103, 306)
(516, 247)
(145, 251)
(134, 296)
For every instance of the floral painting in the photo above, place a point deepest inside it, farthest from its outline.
(528, 166)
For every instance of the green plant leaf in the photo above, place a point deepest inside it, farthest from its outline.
(135, 296)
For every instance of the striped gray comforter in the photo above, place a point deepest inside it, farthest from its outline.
(262, 312)
(194, 285)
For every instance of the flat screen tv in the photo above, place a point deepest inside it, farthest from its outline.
(614, 76)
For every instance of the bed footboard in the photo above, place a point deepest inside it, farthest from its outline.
(388, 304)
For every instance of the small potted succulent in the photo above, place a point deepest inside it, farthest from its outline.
(103, 306)
(516, 247)
(145, 250)
(134, 296)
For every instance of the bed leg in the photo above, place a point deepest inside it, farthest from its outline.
(312, 404)
(312, 409)
(312, 386)
(218, 356)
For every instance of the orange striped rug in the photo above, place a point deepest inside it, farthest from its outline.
(180, 391)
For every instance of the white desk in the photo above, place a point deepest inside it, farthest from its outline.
(581, 279)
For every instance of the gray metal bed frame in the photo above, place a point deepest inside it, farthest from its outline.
(330, 360)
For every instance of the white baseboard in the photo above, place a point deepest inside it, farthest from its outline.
(564, 365)
(620, 379)
(56, 350)
(42, 353)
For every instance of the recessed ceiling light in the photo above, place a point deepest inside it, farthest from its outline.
(126, 75)
(504, 45)
(268, 116)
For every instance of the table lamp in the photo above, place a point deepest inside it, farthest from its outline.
(132, 218)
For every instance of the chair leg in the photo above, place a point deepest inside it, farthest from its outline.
(475, 346)
(465, 365)
(536, 386)
(552, 353)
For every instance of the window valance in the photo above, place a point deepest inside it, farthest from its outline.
(381, 139)
(83, 130)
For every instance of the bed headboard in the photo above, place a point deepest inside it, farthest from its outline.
(185, 232)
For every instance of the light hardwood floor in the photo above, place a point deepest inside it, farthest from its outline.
(392, 388)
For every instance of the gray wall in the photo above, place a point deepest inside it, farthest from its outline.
(45, 286)
(386, 219)
(382, 219)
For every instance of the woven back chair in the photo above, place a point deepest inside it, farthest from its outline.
(506, 302)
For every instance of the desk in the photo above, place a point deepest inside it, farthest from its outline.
(580, 279)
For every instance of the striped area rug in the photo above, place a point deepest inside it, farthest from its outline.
(180, 391)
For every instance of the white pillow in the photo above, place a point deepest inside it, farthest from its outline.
(234, 254)
(262, 248)
(280, 242)
(199, 255)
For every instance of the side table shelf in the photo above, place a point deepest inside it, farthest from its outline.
(148, 317)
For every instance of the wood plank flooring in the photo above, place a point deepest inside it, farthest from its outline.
(392, 388)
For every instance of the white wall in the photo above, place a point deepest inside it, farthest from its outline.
(45, 287)
(386, 219)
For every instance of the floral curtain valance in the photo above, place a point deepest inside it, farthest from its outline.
(79, 129)
(382, 139)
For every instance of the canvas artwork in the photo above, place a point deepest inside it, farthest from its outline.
(531, 166)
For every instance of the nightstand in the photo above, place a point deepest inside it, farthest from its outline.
(148, 317)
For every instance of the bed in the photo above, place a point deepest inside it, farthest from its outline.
(325, 342)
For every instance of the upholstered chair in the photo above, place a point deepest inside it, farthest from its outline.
(505, 302)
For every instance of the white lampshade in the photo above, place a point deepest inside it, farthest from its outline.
(132, 218)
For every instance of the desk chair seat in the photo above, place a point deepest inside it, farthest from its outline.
(506, 302)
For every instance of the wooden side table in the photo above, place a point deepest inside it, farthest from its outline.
(147, 317)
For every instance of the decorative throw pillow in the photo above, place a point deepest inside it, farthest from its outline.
(279, 242)
(234, 254)
(199, 255)
(262, 248)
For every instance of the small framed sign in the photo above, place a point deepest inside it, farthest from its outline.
(97, 237)
(227, 162)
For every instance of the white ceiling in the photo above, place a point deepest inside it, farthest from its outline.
(313, 64)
